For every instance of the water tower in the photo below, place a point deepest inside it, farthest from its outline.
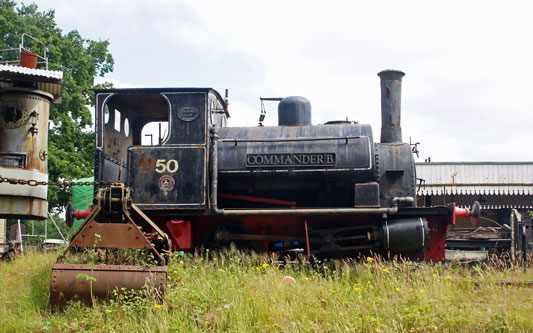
(27, 88)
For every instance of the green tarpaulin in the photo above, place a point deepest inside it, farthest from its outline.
(82, 198)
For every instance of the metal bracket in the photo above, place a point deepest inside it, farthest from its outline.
(116, 234)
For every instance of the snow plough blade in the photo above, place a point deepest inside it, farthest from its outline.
(114, 225)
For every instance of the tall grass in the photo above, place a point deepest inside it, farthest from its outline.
(232, 291)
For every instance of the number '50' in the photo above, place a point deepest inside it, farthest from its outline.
(166, 166)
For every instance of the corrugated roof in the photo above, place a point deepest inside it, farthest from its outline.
(475, 178)
(511, 206)
(55, 75)
(47, 81)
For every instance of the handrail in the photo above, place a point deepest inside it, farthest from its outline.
(320, 138)
(21, 47)
(38, 41)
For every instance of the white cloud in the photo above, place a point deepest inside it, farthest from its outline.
(467, 64)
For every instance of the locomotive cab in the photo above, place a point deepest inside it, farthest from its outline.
(179, 154)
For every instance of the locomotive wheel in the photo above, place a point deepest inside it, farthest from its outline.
(212, 240)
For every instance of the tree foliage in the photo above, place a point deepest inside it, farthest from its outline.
(71, 144)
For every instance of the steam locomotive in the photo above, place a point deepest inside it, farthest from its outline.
(328, 190)
(322, 190)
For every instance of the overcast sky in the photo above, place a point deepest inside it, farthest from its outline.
(467, 94)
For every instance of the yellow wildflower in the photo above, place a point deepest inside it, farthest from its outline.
(438, 280)
(181, 262)
(422, 291)
(157, 306)
(326, 267)
(448, 278)
(369, 259)
(108, 311)
(265, 265)
(356, 288)
(397, 289)
(306, 278)
(385, 270)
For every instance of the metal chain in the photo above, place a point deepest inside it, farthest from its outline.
(33, 182)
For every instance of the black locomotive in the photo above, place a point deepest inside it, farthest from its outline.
(326, 189)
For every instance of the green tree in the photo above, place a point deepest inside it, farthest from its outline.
(71, 145)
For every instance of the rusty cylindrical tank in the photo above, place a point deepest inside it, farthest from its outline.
(24, 117)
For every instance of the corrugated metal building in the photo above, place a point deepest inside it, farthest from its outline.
(497, 186)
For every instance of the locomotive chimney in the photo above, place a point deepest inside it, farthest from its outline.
(391, 92)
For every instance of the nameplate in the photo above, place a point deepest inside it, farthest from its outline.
(290, 160)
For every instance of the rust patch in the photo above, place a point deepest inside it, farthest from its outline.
(146, 164)
(111, 235)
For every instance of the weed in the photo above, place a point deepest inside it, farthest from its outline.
(231, 290)
(133, 301)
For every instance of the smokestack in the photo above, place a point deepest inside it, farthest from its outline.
(391, 96)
